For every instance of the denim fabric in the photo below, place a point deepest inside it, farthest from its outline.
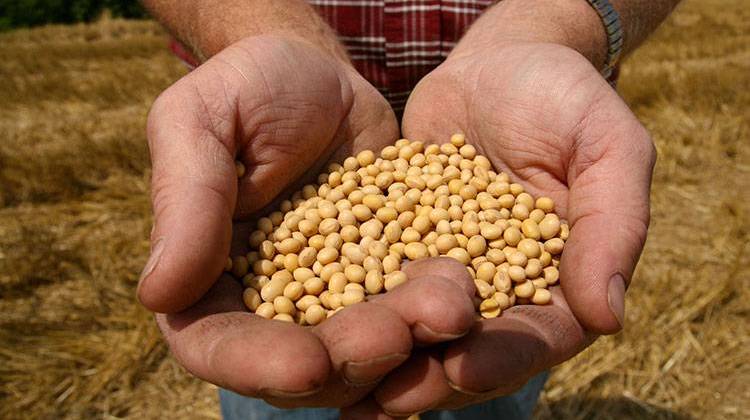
(517, 406)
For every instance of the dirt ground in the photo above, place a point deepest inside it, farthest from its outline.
(75, 218)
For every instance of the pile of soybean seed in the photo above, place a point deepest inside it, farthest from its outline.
(335, 243)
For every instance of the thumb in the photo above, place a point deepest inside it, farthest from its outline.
(194, 189)
(610, 180)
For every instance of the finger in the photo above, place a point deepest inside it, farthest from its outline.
(367, 409)
(501, 354)
(218, 342)
(610, 180)
(365, 342)
(436, 300)
(416, 386)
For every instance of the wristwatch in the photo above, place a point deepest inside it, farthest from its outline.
(613, 26)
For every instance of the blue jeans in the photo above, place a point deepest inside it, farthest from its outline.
(517, 406)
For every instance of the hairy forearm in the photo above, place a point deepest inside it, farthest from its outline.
(209, 26)
(573, 23)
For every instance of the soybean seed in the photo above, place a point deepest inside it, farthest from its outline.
(315, 314)
(489, 308)
(333, 242)
(394, 279)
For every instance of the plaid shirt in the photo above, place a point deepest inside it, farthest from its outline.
(394, 43)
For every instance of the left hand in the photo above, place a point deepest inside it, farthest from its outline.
(543, 114)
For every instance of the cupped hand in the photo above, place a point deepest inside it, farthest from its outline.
(542, 114)
(281, 107)
(284, 109)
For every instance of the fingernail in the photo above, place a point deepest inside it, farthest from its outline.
(461, 389)
(156, 251)
(270, 392)
(370, 371)
(399, 416)
(428, 334)
(616, 297)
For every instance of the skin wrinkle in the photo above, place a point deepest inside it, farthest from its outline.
(384, 112)
(639, 233)
(419, 368)
(185, 353)
(592, 104)
(264, 92)
(577, 136)
(238, 125)
(294, 109)
(199, 315)
(167, 195)
(178, 187)
(589, 161)
(473, 101)
(582, 155)
(552, 327)
(520, 361)
(206, 118)
(528, 171)
(460, 399)
(593, 207)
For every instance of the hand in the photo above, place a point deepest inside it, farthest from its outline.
(283, 108)
(541, 113)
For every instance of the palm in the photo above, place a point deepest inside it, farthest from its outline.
(526, 122)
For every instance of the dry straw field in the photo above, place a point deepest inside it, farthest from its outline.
(75, 217)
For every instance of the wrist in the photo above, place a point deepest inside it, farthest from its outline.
(570, 23)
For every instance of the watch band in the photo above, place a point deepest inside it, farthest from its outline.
(613, 26)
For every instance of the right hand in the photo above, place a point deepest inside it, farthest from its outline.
(283, 108)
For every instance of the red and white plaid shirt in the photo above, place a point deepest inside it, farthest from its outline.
(394, 43)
